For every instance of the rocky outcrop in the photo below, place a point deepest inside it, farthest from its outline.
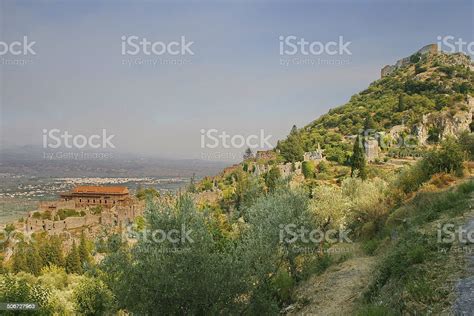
(396, 132)
(445, 123)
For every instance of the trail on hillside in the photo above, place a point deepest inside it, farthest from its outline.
(335, 291)
(464, 304)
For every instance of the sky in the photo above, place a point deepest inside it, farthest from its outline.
(236, 81)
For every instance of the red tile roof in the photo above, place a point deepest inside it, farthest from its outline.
(100, 190)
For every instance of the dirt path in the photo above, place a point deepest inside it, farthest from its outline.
(334, 292)
(464, 304)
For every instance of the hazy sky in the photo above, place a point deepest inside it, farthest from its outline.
(79, 81)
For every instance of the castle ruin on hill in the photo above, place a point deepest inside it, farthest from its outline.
(388, 69)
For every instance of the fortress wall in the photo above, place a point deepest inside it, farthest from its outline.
(115, 216)
(48, 205)
(74, 222)
(108, 218)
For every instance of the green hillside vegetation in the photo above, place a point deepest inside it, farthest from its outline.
(412, 274)
(431, 83)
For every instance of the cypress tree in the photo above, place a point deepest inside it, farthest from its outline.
(84, 254)
(248, 154)
(19, 262)
(358, 159)
(73, 260)
(34, 261)
(51, 251)
(369, 123)
(271, 178)
(401, 103)
(292, 148)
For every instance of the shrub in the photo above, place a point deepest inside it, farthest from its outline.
(272, 177)
(466, 187)
(330, 206)
(206, 184)
(96, 209)
(24, 290)
(419, 69)
(442, 180)
(415, 58)
(143, 194)
(307, 168)
(370, 246)
(283, 285)
(323, 167)
(448, 159)
(368, 230)
(92, 297)
(411, 177)
(53, 277)
(367, 198)
(466, 140)
(64, 213)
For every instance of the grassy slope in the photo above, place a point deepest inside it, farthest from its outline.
(416, 274)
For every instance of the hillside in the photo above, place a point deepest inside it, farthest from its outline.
(308, 228)
(406, 270)
(427, 85)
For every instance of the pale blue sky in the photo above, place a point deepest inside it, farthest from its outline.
(234, 82)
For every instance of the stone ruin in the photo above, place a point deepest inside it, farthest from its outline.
(388, 69)
(117, 216)
(371, 147)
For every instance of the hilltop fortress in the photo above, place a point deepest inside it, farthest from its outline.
(388, 69)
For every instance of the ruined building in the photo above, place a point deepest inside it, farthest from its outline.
(84, 196)
(78, 210)
(371, 147)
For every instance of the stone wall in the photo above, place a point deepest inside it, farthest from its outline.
(266, 155)
(115, 216)
(371, 147)
(106, 201)
(56, 205)
(56, 227)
